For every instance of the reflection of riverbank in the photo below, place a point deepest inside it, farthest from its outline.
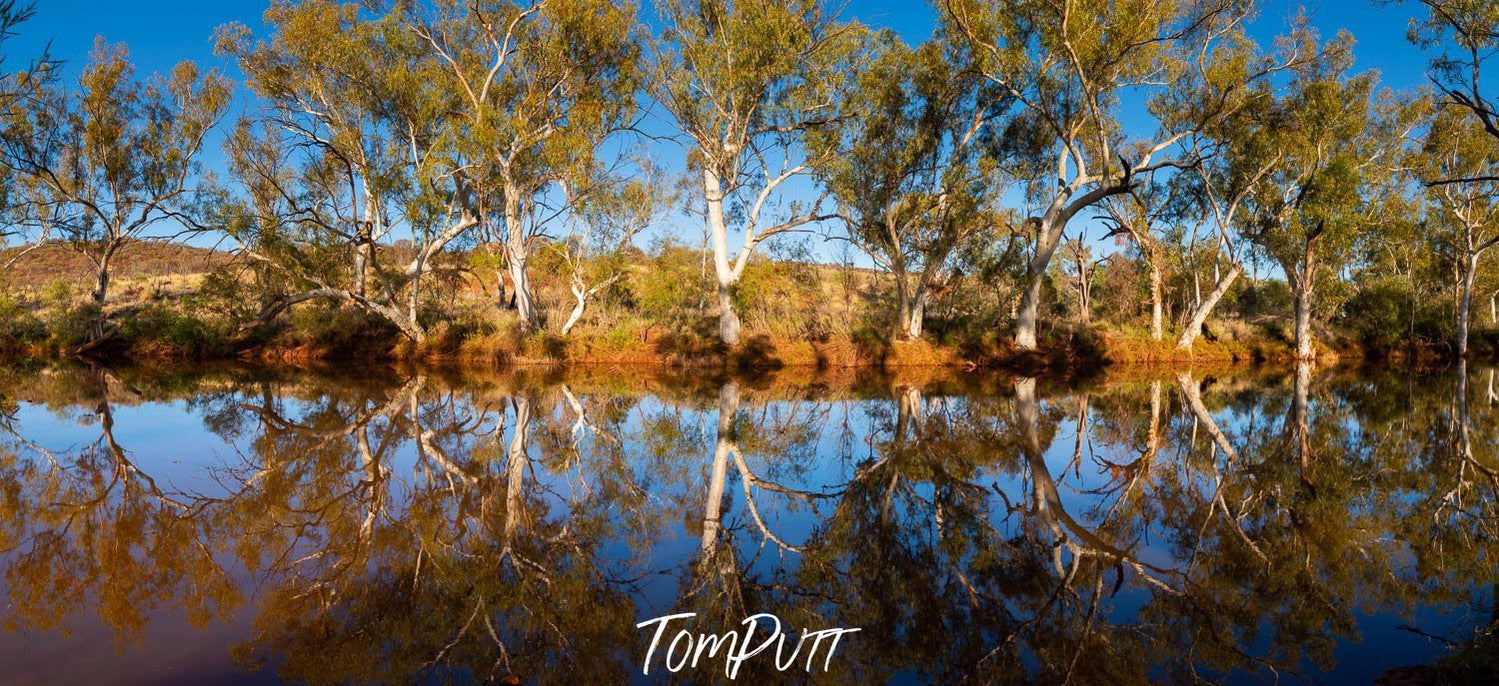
(416, 525)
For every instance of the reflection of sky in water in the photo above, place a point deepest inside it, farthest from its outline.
(168, 440)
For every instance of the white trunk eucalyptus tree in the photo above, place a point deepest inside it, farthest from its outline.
(1071, 68)
(744, 82)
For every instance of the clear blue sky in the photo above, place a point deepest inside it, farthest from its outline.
(162, 33)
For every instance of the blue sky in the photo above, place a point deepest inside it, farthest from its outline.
(162, 33)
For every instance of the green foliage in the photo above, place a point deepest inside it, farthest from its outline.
(1385, 312)
(164, 331)
(70, 324)
(19, 326)
(668, 288)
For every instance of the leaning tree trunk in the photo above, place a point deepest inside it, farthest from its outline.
(580, 294)
(1205, 307)
(1047, 237)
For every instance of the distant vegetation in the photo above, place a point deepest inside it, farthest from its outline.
(411, 180)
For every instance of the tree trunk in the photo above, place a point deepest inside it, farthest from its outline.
(517, 250)
(101, 288)
(1204, 308)
(1301, 288)
(1464, 305)
(581, 294)
(1155, 301)
(1303, 315)
(1047, 238)
(902, 302)
(911, 316)
(728, 319)
(1084, 294)
(502, 300)
(916, 320)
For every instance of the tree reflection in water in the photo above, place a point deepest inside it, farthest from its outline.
(396, 528)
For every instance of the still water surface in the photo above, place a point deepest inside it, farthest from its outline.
(244, 525)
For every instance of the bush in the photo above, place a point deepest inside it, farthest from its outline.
(19, 327)
(1268, 297)
(71, 325)
(161, 330)
(1384, 313)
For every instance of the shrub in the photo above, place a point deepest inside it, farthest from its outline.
(1384, 313)
(19, 326)
(160, 330)
(70, 325)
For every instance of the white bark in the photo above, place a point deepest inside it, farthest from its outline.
(727, 279)
(1470, 270)
(517, 249)
(1204, 308)
(1303, 316)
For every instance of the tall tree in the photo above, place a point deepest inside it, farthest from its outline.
(1073, 68)
(540, 85)
(1467, 32)
(353, 148)
(1332, 142)
(1218, 188)
(1469, 212)
(744, 80)
(100, 164)
(1143, 216)
(911, 168)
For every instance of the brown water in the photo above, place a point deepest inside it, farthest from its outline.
(374, 526)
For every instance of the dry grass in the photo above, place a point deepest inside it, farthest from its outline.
(136, 261)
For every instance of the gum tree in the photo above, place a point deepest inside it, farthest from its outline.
(1467, 33)
(1071, 68)
(352, 149)
(1074, 69)
(744, 81)
(1332, 142)
(1144, 217)
(1218, 188)
(103, 162)
(540, 87)
(912, 169)
(1467, 213)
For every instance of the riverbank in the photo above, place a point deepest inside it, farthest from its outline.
(1072, 352)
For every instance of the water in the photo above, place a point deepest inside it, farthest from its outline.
(244, 525)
